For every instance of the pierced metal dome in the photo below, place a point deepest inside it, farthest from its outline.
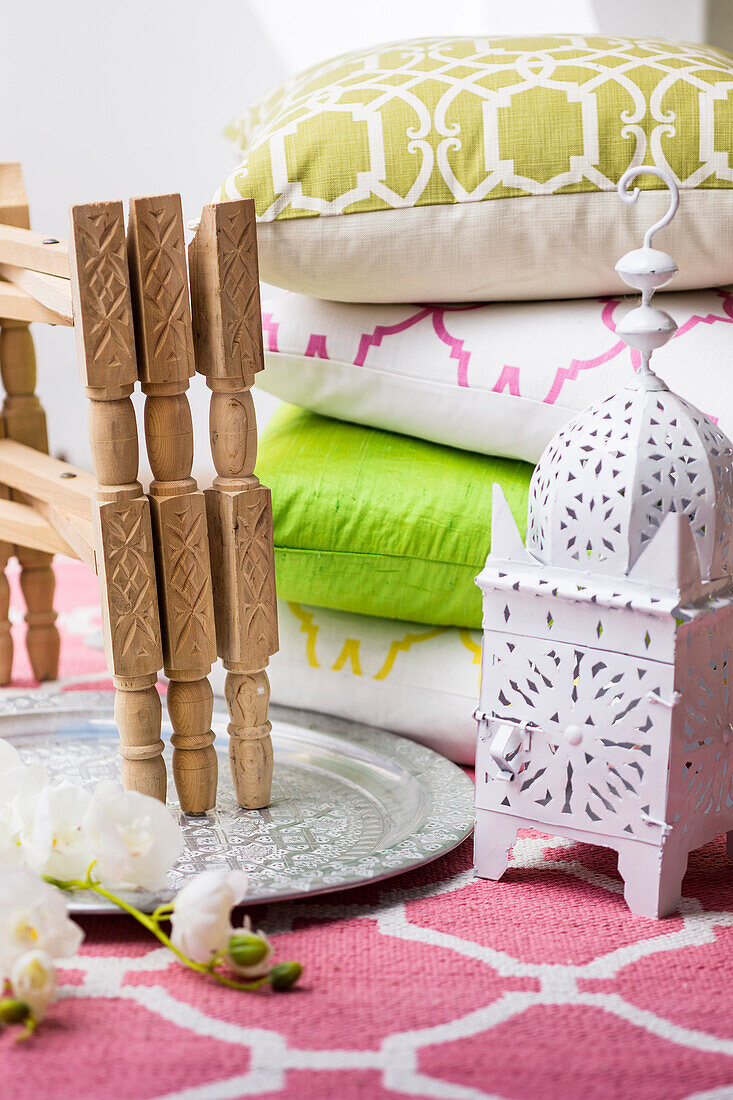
(605, 482)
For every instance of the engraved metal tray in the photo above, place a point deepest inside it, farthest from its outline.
(350, 804)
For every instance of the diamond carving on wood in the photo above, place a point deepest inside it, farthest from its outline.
(101, 291)
(243, 571)
(185, 580)
(256, 569)
(225, 293)
(129, 574)
(160, 286)
(240, 288)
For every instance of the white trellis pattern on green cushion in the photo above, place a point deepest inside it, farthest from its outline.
(455, 122)
(440, 121)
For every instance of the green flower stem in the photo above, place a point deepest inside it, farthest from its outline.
(28, 1029)
(152, 923)
(162, 912)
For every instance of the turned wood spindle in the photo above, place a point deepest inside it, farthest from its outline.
(228, 342)
(159, 279)
(6, 638)
(25, 422)
(240, 518)
(123, 534)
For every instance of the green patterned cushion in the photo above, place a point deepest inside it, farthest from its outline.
(469, 168)
(379, 523)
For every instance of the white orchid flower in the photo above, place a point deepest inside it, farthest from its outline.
(20, 786)
(11, 854)
(133, 838)
(33, 981)
(54, 837)
(24, 787)
(9, 756)
(33, 917)
(201, 918)
(59, 830)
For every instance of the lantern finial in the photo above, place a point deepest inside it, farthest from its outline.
(631, 196)
(647, 269)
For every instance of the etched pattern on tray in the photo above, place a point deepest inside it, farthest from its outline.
(323, 830)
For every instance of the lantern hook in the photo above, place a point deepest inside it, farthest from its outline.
(631, 196)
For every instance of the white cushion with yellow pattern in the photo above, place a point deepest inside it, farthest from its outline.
(420, 681)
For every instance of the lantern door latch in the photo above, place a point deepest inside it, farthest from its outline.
(505, 740)
(662, 828)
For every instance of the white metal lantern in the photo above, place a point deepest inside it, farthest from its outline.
(605, 711)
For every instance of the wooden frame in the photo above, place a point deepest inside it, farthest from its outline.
(167, 602)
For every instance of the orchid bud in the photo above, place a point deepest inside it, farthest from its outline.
(284, 975)
(246, 949)
(13, 1012)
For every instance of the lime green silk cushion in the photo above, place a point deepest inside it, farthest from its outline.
(465, 169)
(378, 523)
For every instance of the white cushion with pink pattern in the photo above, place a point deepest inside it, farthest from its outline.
(499, 378)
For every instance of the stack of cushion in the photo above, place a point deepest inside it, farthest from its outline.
(468, 176)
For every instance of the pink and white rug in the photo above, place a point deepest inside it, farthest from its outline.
(431, 985)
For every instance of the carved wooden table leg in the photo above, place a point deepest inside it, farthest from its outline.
(157, 259)
(228, 342)
(25, 422)
(108, 368)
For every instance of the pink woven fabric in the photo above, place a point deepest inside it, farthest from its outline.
(431, 985)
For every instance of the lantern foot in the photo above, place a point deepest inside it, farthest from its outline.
(652, 877)
(492, 841)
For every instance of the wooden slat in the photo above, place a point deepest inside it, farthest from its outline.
(45, 478)
(24, 248)
(19, 305)
(13, 198)
(51, 291)
(22, 524)
(77, 532)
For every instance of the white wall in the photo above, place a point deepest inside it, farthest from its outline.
(307, 33)
(708, 21)
(117, 99)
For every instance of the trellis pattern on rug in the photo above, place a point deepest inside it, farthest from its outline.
(429, 986)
